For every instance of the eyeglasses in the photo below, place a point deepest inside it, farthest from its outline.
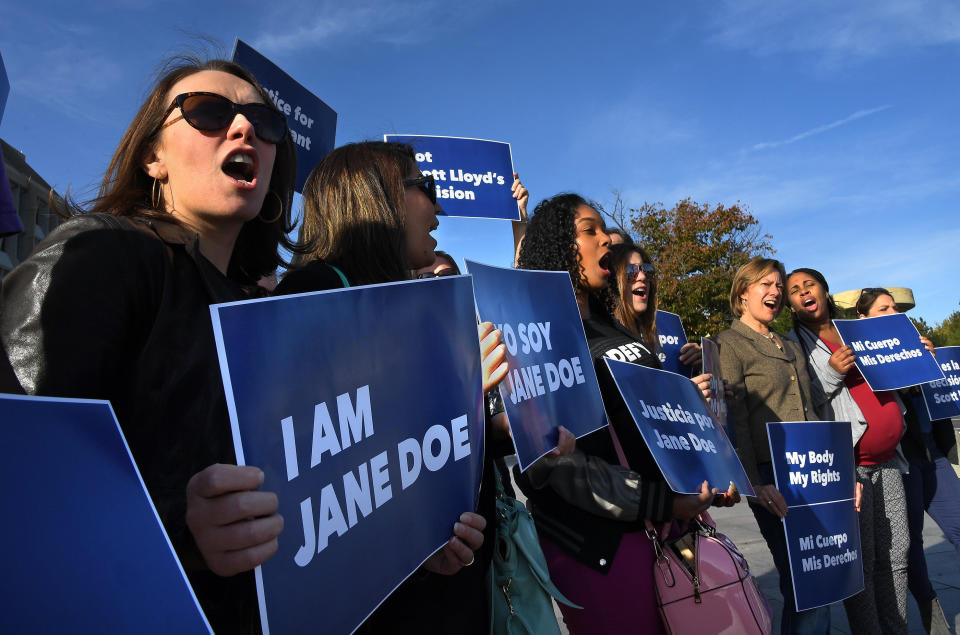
(425, 184)
(443, 273)
(211, 112)
(633, 271)
(875, 291)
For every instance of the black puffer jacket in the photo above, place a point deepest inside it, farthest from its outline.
(117, 309)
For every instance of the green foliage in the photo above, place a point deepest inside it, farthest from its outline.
(697, 250)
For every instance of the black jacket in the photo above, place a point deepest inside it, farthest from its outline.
(117, 309)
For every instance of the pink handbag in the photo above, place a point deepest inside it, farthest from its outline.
(704, 584)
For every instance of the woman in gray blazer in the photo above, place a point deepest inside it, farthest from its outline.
(770, 382)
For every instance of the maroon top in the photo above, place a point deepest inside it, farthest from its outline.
(882, 413)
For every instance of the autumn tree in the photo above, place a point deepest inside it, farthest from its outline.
(696, 249)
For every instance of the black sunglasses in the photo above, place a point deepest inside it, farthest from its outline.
(633, 270)
(211, 112)
(425, 184)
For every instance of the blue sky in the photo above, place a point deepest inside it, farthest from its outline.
(836, 124)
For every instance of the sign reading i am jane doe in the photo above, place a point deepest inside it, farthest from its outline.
(86, 552)
(371, 437)
(814, 470)
(552, 381)
(473, 176)
(312, 123)
(942, 396)
(680, 431)
(889, 353)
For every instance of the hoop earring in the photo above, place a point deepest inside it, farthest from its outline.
(279, 210)
(156, 195)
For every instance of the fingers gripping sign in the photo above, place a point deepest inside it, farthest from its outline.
(235, 526)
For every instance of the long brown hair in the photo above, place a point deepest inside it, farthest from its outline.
(353, 211)
(127, 189)
(868, 297)
(643, 325)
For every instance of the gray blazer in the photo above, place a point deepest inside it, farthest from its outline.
(768, 385)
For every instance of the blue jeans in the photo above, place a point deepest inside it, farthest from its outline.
(931, 485)
(792, 622)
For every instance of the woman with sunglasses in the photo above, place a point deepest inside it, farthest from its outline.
(589, 507)
(368, 215)
(634, 286)
(931, 484)
(113, 304)
(841, 394)
(769, 380)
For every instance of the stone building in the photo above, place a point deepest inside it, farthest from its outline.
(31, 197)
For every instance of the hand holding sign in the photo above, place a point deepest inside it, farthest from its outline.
(234, 526)
(494, 355)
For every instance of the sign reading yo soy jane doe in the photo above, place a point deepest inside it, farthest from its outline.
(552, 381)
(814, 470)
(942, 397)
(888, 351)
(371, 438)
(312, 123)
(473, 176)
(679, 430)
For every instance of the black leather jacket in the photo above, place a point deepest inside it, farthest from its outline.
(117, 309)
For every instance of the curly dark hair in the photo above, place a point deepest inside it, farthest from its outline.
(550, 245)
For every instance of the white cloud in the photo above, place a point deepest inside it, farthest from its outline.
(820, 129)
(840, 31)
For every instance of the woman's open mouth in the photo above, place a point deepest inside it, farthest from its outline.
(640, 292)
(604, 263)
(809, 304)
(241, 167)
(771, 304)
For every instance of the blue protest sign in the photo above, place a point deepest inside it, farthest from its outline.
(812, 461)
(718, 396)
(889, 353)
(823, 544)
(942, 396)
(814, 470)
(312, 123)
(368, 427)
(4, 88)
(672, 338)
(680, 431)
(552, 381)
(473, 176)
(86, 552)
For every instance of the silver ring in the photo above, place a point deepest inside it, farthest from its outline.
(472, 558)
(770, 502)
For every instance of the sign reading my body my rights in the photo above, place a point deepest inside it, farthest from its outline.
(371, 437)
(889, 353)
(814, 470)
(312, 123)
(552, 381)
(679, 429)
(86, 552)
(473, 176)
(672, 338)
(942, 396)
